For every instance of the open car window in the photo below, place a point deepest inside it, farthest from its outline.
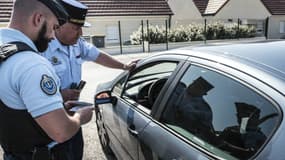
(143, 87)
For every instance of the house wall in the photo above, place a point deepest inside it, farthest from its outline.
(106, 26)
(2, 25)
(274, 27)
(129, 24)
(185, 12)
(251, 12)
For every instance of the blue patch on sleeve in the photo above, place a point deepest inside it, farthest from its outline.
(48, 85)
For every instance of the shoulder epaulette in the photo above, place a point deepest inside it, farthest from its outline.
(11, 48)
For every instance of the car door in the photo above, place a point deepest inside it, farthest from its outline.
(133, 110)
(211, 114)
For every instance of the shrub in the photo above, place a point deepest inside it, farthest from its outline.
(193, 32)
(136, 37)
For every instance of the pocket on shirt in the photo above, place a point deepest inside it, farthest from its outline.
(60, 69)
(79, 60)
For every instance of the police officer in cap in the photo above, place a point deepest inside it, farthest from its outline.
(68, 51)
(32, 114)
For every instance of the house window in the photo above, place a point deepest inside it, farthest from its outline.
(282, 27)
(112, 34)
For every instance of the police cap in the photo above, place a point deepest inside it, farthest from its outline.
(246, 110)
(200, 86)
(57, 9)
(77, 12)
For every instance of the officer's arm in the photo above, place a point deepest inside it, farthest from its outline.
(108, 61)
(60, 126)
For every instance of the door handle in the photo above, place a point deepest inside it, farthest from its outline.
(132, 130)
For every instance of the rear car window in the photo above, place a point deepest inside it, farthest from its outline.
(220, 114)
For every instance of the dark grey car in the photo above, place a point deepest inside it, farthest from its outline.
(219, 102)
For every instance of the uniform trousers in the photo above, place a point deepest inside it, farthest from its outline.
(69, 150)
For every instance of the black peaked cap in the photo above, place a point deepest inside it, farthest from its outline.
(57, 9)
(76, 11)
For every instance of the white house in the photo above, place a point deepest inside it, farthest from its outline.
(105, 15)
(276, 21)
(108, 17)
(251, 12)
(111, 18)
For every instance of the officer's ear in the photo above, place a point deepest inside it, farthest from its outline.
(38, 19)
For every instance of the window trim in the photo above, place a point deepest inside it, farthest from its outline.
(178, 61)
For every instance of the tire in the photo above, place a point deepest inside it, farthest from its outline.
(102, 133)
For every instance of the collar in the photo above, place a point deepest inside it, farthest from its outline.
(56, 45)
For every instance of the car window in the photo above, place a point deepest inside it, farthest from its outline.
(220, 114)
(143, 87)
(118, 87)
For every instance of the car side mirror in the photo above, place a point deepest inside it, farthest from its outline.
(105, 97)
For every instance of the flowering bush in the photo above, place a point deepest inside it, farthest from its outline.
(193, 32)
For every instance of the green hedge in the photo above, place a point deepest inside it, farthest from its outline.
(193, 32)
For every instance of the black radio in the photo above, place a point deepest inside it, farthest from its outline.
(80, 86)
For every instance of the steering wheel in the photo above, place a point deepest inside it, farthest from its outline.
(142, 97)
(154, 89)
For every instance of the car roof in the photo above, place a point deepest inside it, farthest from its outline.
(270, 54)
(266, 56)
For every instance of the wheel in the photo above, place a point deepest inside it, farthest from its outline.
(102, 133)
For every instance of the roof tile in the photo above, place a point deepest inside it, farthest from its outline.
(201, 5)
(108, 8)
(127, 7)
(275, 7)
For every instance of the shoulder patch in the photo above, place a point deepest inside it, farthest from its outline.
(48, 85)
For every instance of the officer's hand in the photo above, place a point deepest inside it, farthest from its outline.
(85, 113)
(103, 95)
(131, 65)
(70, 94)
(69, 104)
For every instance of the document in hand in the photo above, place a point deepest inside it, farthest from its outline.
(80, 104)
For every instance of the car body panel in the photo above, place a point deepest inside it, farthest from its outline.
(131, 123)
(159, 141)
